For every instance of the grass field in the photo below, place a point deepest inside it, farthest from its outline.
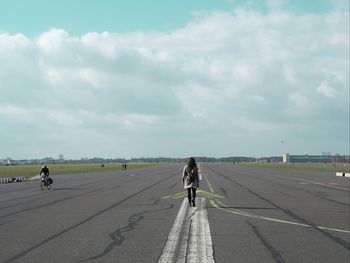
(31, 170)
(322, 167)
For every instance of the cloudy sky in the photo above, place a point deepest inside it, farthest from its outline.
(143, 78)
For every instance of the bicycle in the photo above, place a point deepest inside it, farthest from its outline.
(45, 182)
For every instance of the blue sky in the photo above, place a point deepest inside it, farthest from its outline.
(33, 17)
(79, 17)
(173, 78)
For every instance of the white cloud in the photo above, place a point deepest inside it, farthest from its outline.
(16, 42)
(63, 118)
(258, 99)
(105, 43)
(93, 77)
(326, 90)
(299, 103)
(139, 120)
(54, 40)
(15, 113)
(221, 74)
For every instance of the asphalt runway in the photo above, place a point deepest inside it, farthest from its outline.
(254, 215)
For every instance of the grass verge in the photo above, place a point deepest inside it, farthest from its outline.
(31, 170)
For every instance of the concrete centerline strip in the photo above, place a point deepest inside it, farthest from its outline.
(189, 239)
(170, 248)
(200, 244)
(196, 245)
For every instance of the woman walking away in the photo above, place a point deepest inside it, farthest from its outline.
(190, 180)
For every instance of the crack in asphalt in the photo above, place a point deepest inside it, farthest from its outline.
(117, 236)
(88, 219)
(172, 186)
(276, 255)
(4, 223)
(223, 191)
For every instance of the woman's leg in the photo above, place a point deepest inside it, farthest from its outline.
(194, 196)
(189, 195)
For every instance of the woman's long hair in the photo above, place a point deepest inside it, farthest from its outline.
(192, 163)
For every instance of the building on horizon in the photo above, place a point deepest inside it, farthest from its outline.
(286, 158)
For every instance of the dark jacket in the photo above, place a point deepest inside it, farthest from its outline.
(45, 171)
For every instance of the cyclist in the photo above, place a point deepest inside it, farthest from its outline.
(45, 171)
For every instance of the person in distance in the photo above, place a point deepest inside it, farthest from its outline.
(190, 180)
(45, 171)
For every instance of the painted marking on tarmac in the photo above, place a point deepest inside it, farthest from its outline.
(211, 189)
(200, 192)
(189, 239)
(221, 206)
(311, 182)
(200, 176)
(199, 172)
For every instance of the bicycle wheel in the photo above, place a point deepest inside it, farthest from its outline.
(42, 185)
(48, 185)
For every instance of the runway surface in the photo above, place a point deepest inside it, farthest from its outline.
(242, 215)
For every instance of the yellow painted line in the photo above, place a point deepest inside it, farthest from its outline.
(208, 194)
(200, 192)
(178, 195)
(216, 203)
(219, 205)
(242, 213)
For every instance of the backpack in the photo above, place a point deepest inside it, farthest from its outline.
(190, 176)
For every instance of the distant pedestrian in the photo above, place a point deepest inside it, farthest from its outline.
(190, 180)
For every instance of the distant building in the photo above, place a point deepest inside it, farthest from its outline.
(310, 159)
(47, 160)
(61, 157)
(286, 158)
